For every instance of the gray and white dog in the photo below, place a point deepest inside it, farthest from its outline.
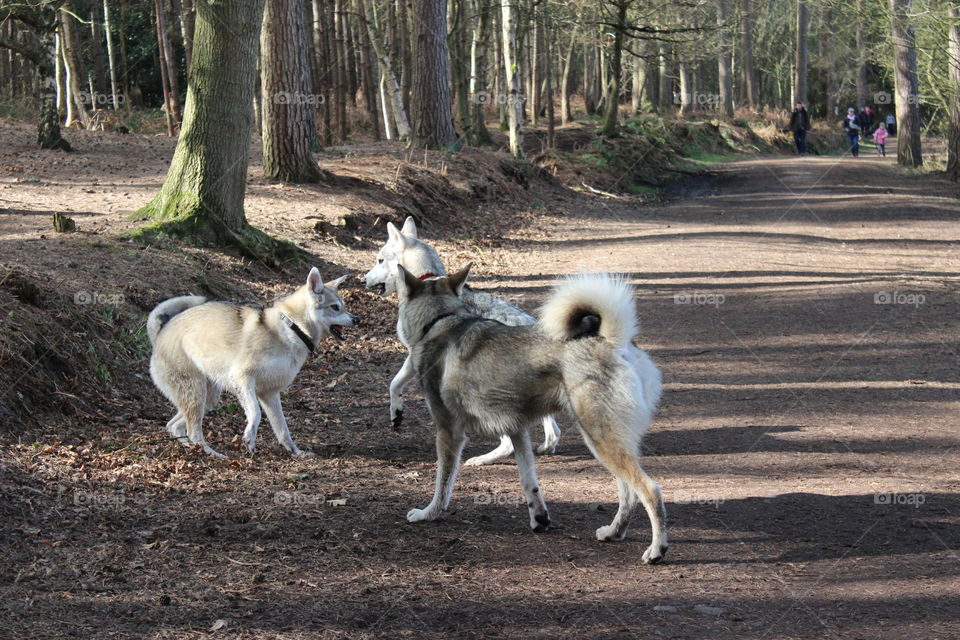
(404, 247)
(201, 347)
(480, 376)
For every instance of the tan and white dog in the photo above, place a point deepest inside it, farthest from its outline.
(201, 348)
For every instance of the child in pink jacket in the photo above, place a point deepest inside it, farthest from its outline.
(880, 138)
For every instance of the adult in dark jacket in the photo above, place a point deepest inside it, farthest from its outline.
(799, 125)
(852, 125)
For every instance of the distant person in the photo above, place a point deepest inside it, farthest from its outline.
(864, 120)
(799, 124)
(892, 125)
(869, 121)
(880, 138)
(852, 124)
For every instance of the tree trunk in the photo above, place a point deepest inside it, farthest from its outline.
(826, 43)
(432, 121)
(861, 54)
(289, 133)
(480, 96)
(341, 74)
(169, 58)
(533, 93)
(392, 88)
(187, 17)
(666, 86)
(203, 193)
(121, 36)
(110, 56)
(565, 115)
(71, 61)
(802, 53)
(99, 61)
(168, 100)
(908, 92)
(406, 56)
(460, 72)
(322, 71)
(953, 136)
(589, 78)
(548, 66)
(724, 60)
(514, 101)
(686, 88)
(749, 74)
(612, 111)
(366, 72)
(59, 74)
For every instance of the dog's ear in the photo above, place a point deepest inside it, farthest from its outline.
(409, 228)
(314, 281)
(335, 284)
(457, 280)
(394, 237)
(408, 285)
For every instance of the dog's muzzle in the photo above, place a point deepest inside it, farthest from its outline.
(337, 330)
(380, 288)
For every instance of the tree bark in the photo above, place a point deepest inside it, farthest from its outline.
(169, 107)
(110, 57)
(749, 74)
(686, 88)
(953, 135)
(612, 111)
(907, 85)
(203, 193)
(432, 121)
(514, 100)
(548, 72)
(99, 61)
(480, 96)
(71, 61)
(725, 59)
(860, 56)
(802, 53)
(289, 133)
(565, 115)
(370, 87)
(389, 79)
(665, 84)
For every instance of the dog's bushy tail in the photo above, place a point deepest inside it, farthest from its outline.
(164, 311)
(590, 305)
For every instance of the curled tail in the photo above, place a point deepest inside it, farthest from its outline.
(591, 305)
(164, 311)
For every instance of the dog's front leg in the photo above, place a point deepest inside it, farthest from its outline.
(271, 407)
(251, 408)
(397, 385)
(449, 447)
(523, 451)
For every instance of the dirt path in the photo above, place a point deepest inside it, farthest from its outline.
(807, 444)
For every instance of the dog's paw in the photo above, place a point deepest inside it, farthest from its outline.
(549, 447)
(609, 533)
(396, 419)
(540, 523)
(420, 515)
(300, 453)
(654, 554)
(479, 461)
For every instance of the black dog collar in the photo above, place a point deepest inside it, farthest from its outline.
(307, 341)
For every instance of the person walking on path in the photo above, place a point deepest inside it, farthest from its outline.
(852, 124)
(892, 124)
(880, 138)
(799, 124)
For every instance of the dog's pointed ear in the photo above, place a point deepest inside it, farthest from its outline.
(394, 237)
(457, 280)
(314, 281)
(409, 228)
(335, 284)
(408, 285)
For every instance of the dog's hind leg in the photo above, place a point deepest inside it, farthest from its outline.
(551, 435)
(397, 385)
(539, 517)
(193, 411)
(621, 459)
(177, 426)
(504, 449)
(449, 448)
(271, 407)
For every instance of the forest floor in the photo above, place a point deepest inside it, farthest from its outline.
(804, 312)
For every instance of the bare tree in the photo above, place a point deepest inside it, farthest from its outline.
(514, 100)
(907, 85)
(802, 51)
(953, 60)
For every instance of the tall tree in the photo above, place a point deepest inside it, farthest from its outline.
(802, 53)
(612, 89)
(203, 193)
(110, 57)
(480, 9)
(907, 84)
(751, 90)
(514, 101)
(725, 59)
(289, 132)
(389, 79)
(953, 61)
(861, 54)
(432, 119)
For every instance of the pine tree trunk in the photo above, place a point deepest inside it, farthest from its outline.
(432, 122)
(479, 94)
(953, 135)
(612, 110)
(514, 100)
(341, 75)
(861, 54)
(203, 193)
(99, 61)
(908, 92)
(565, 114)
(548, 72)
(366, 72)
(686, 88)
(323, 71)
(749, 74)
(389, 79)
(724, 60)
(802, 53)
(168, 101)
(665, 88)
(406, 54)
(288, 104)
